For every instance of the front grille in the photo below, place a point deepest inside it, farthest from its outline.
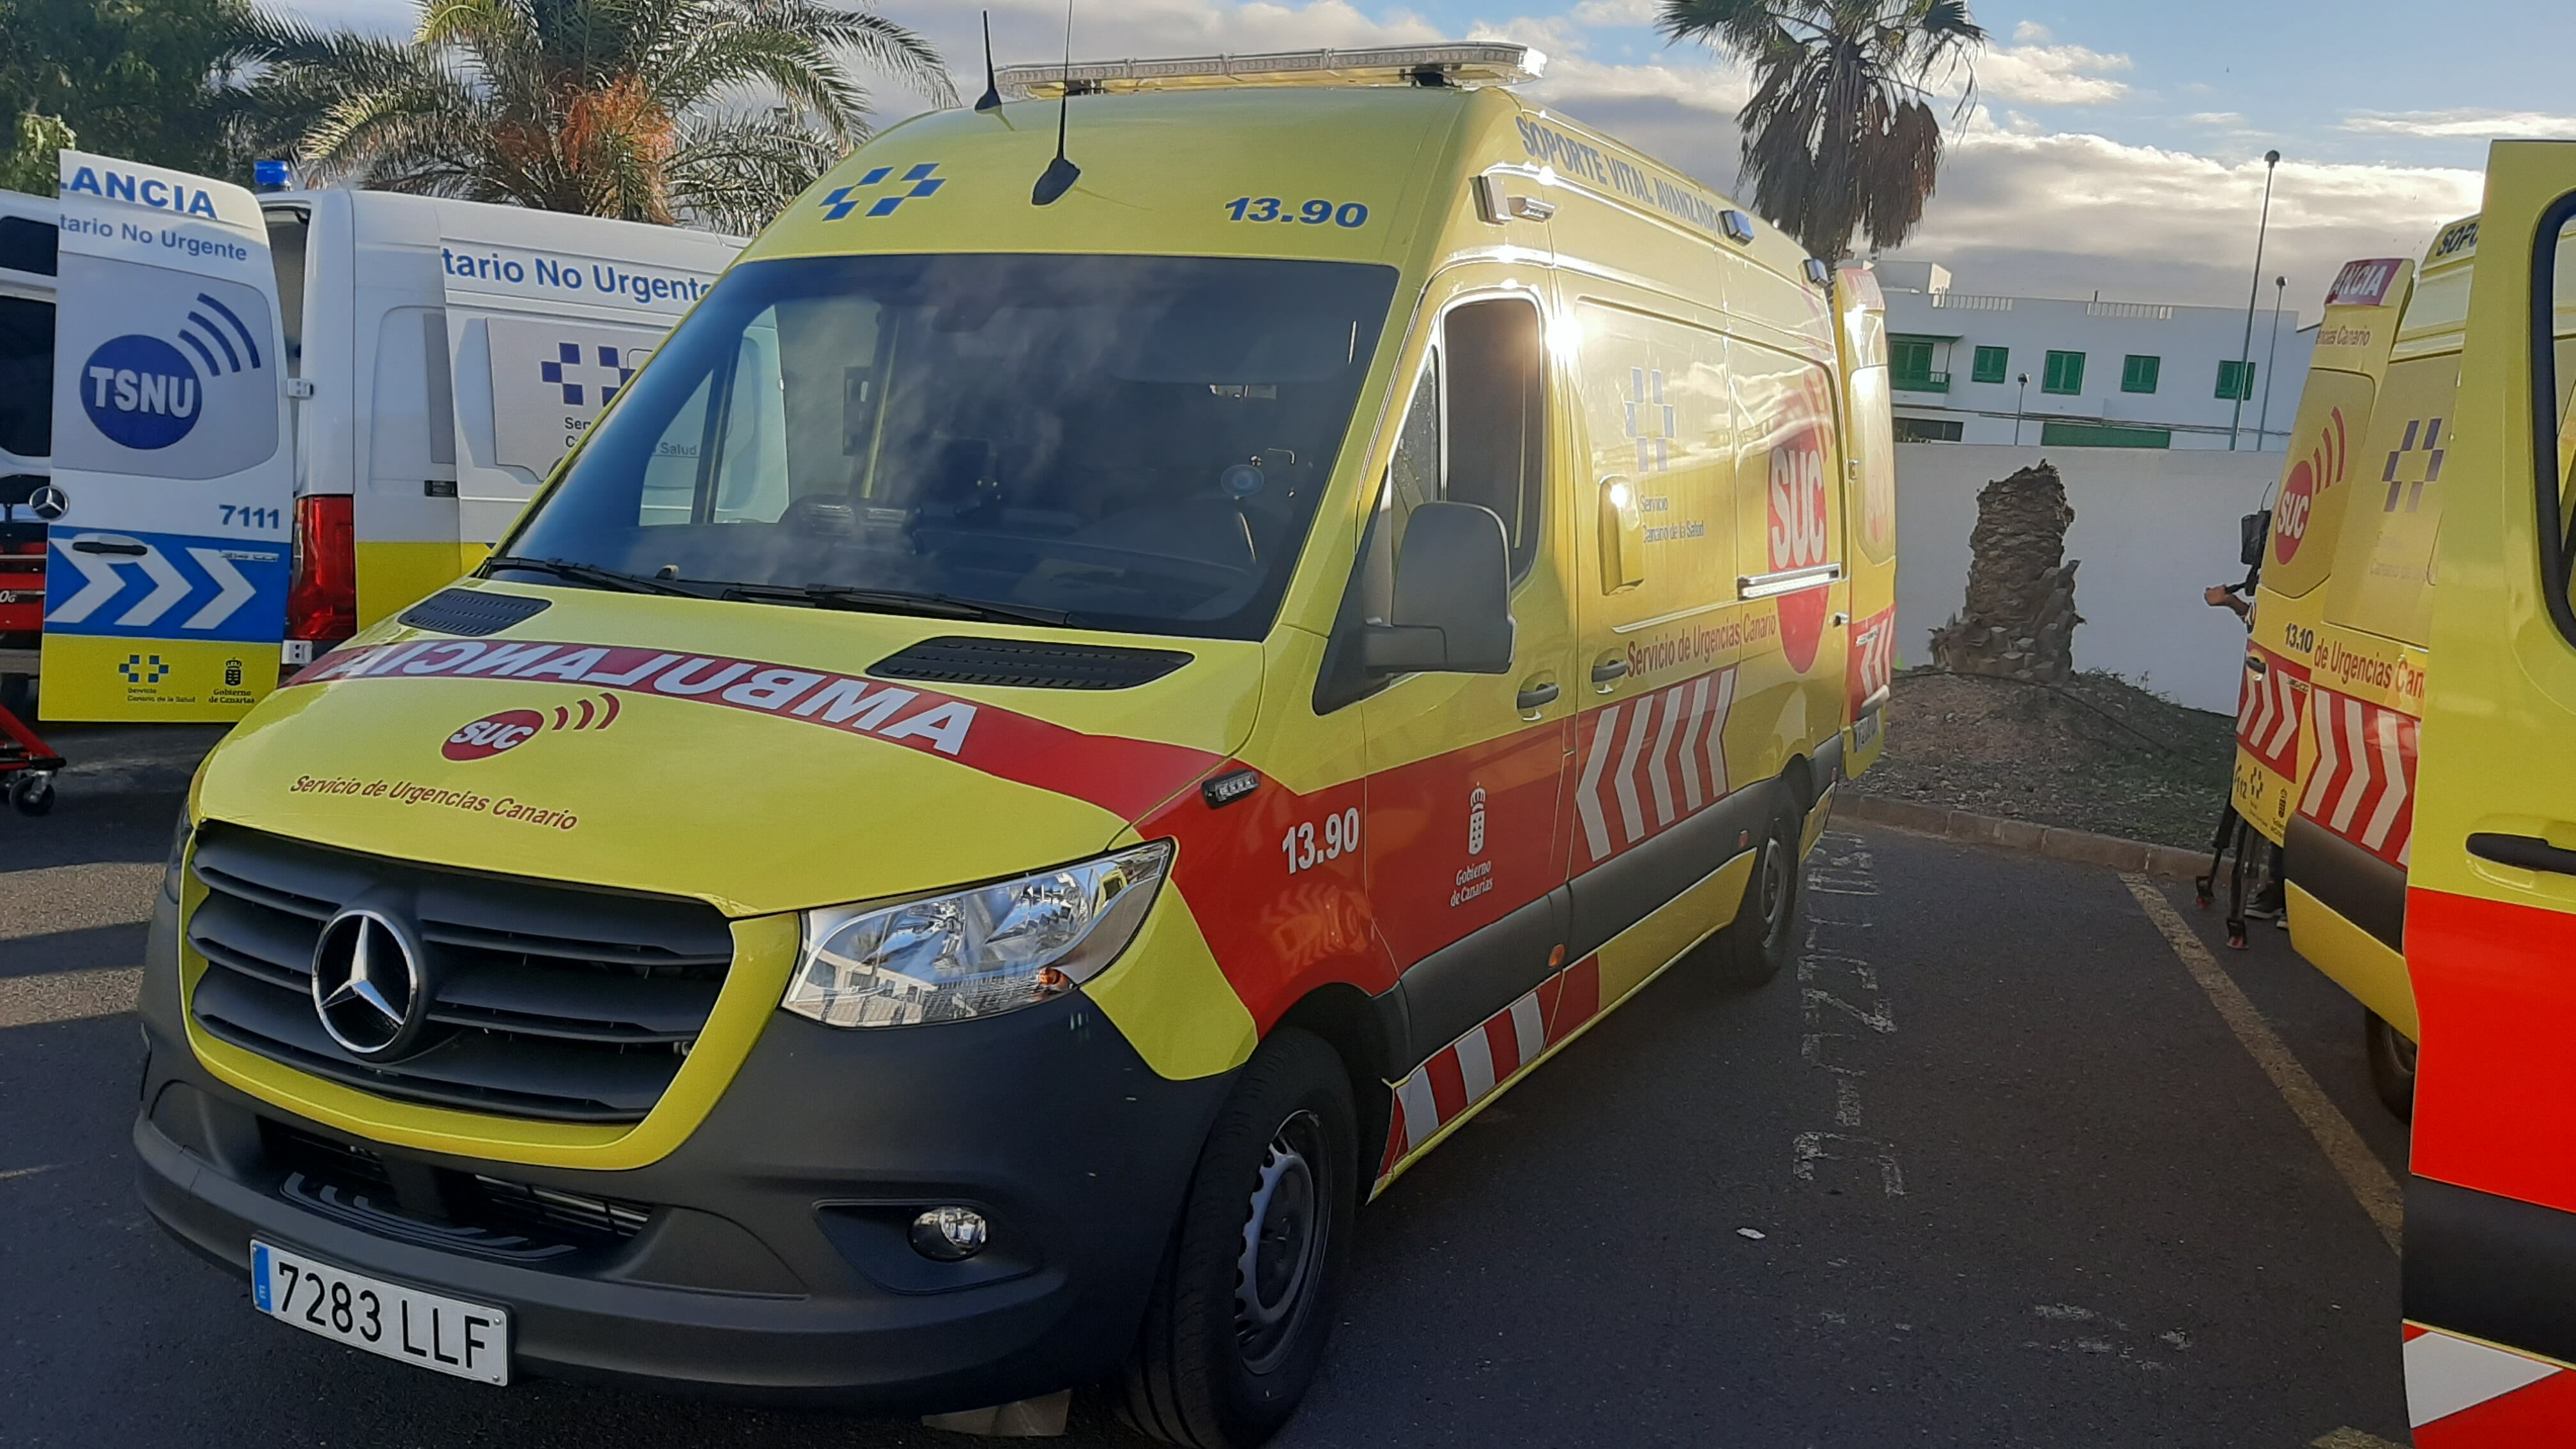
(547, 1001)
(463, 1212)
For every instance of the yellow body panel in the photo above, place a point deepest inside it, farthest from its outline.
(194, 680)
(2358, 962)
(393, 576)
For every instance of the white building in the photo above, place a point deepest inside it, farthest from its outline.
(2074, 374)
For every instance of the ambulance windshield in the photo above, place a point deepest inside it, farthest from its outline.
(1132, 443)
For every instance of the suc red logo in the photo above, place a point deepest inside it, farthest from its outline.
(493, 734)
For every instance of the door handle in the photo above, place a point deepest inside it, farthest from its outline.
(1539, 694)
(2526, 852)
(1608, 667)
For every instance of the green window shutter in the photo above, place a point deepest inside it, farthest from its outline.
(1909, 365)
(1928, 430)
(2235, 381)
(2138, 374)
(2102, 435)
(2064, 373)
(1993, 363)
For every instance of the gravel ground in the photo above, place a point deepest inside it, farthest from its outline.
(2095, 754)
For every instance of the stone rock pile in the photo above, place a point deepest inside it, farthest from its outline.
(2020, 618)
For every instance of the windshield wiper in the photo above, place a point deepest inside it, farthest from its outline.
(591, 574)
(895, 601)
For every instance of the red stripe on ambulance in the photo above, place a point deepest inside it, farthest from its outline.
(2363, 786)
(1122, 775)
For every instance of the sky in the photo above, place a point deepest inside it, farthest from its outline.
(2104, 148)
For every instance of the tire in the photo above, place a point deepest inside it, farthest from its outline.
(1236, 1326)
(1751, 949)
(2392, 1065)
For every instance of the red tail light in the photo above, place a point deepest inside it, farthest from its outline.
(322, 595)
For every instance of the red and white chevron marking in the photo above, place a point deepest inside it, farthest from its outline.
(1653, 760)
(2363, 785)
(2269, 708)
(1467, 1071)
(2462, 1394)
(1873, 659)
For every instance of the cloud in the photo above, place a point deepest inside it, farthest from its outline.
(2045, 74)
(2230, 119)
(2069, 213)
(1618, 12)
(2463, 124)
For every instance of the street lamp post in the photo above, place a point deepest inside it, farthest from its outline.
(2271, 353)
(2253, 295)
(2019, 400)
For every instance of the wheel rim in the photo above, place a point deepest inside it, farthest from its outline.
(1775, 888)
(2401, 1054)
(1285, 1229)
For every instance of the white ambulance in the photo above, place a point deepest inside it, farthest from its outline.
(425, 363)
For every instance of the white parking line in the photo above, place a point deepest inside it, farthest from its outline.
(2370, 1183)
(67, 995)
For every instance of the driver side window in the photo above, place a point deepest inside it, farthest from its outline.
(1473, 432)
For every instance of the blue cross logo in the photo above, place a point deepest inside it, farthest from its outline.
(1651, 420)
(2431, 447)
(842, 199)
(568, 355)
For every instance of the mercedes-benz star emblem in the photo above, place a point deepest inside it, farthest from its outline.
(49, 503)
(366, 984)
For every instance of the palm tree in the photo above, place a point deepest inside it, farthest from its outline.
(717, 111)
(1840, 135)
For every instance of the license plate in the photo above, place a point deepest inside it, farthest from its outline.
(464, 1339)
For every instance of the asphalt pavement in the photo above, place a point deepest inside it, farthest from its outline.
(1991, 1168)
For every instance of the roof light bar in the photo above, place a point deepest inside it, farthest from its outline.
(1468, 63)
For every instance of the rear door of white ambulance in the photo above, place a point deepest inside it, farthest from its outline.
(166, 575)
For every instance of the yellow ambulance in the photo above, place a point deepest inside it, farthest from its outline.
(1096, 699)
(2335, 671)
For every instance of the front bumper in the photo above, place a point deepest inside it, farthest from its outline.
(765, 1257)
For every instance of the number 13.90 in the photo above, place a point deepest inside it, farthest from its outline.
(1305, 848)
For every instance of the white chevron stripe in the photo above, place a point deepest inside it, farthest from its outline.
(1421, 1109)
(1694, 752)
(2263, 705)
(2392, 801)
(2288, 729)
(1587, 794)
(2329, 755)
(1721, 703)
(1529, 1027)
(1630, 815)
(2359, 784)
(1657, 773)
(2445, 1375)
(1475, 1063)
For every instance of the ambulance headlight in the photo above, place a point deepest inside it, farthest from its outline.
(976, 952)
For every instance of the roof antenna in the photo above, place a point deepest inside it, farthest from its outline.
(992, 99)
(1060, 173)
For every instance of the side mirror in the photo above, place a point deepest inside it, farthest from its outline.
(1453, 604)
(2254, 533)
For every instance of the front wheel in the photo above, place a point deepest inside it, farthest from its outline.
(2392, 1065)
(1752, 948)
(1236, 1327)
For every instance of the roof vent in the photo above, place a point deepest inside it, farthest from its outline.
(473, 613)
(1026, 664)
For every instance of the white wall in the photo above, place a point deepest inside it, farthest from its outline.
(2153, 530)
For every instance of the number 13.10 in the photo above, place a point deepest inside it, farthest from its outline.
(1341, 836)
(1312, 213)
